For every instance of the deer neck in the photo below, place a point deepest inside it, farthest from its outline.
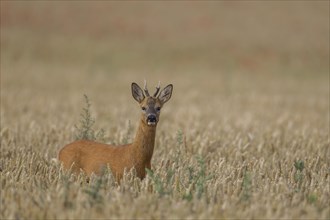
(144, 141)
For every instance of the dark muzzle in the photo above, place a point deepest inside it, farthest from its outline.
(151, 119)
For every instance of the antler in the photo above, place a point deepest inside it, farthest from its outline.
(145, 88)
(157, 89)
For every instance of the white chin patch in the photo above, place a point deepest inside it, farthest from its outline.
(151, 123)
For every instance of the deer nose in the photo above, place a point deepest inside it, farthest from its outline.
(151, 118)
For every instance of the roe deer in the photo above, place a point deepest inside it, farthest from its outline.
(92, 157)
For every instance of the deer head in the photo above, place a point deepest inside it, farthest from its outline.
(151, 105)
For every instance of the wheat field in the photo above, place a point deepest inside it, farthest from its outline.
(244, 136)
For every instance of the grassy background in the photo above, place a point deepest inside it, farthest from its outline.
(250, 105)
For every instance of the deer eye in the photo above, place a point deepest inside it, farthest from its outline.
(158, 109)
(143, 108)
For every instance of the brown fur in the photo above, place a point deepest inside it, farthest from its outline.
(92, 157)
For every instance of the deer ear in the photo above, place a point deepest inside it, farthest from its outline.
(137, 93)
(166, 94)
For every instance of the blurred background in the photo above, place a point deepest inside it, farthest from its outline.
(250, 99)
(219, 55)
